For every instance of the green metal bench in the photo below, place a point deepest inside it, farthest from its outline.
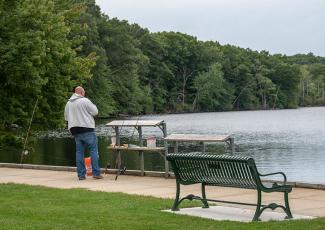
(225, 171)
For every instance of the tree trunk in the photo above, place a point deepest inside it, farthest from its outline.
(185, 79)
(303, 92)
(276, 97)
(195, 102)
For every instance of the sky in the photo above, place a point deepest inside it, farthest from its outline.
(278, 26)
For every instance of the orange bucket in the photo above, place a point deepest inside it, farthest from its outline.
(87, 161)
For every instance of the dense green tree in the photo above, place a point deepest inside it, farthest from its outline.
(184, 58)
(126, 61)
(213, 93)
(84, 18)
(49, 46)
(238, 71)
(159, 77)
(37, 63)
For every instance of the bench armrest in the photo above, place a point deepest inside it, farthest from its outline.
(270, 174)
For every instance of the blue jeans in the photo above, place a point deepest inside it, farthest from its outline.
(88, 140)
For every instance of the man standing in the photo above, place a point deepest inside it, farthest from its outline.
(79, 112)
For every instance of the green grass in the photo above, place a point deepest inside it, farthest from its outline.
(34, 207)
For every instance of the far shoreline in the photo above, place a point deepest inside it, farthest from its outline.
(126, 116)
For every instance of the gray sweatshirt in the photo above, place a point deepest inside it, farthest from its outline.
(79, 112)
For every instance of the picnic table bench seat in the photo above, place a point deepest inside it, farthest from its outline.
(225, 171)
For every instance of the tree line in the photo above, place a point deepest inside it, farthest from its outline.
(49, 46)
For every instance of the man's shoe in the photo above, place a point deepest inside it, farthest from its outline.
(82, 178)
(98, 177)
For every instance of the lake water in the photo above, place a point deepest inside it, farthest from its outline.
(292, 141)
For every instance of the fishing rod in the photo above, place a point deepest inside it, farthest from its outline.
(25, 151)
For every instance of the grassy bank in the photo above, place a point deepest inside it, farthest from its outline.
(33, 207)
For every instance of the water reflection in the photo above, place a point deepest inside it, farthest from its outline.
(292, 141)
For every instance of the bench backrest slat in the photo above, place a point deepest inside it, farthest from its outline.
(223, 170)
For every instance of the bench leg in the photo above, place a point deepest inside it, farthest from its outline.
(176, 202)
(287, 208)
(258, 206)
(272, 206)
(204, 201)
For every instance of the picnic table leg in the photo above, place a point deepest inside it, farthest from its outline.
(176, 147)
(141, 152)
(118, 162)
(141, 162)
(203, 143)
(165, 159)
(232, 144)
(204, 201)
(166, 151)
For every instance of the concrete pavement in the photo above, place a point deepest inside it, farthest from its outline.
(303, 201)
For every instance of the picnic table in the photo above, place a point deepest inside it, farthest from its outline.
(228, 139)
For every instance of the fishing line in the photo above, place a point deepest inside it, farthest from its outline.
(118, 162)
